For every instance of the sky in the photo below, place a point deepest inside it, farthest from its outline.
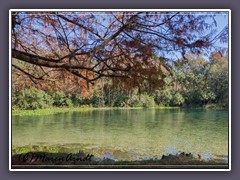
(222, 21)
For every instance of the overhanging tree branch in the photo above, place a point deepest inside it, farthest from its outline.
(122, 45)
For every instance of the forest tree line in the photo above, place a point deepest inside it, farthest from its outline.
(117, 59)
(201, 82)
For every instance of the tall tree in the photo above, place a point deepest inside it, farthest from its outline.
(128, 47)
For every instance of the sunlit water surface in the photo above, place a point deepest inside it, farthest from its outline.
(141, 133)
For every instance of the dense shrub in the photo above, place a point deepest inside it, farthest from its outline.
(121, 101)
(144, 100)
(177, 100)
(133, 101)
(163, 97)
(61, 100)
(77, 100)
(31, 98)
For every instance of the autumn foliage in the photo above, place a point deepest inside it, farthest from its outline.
(73, 51)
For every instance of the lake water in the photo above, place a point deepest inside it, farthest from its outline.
(140, 132)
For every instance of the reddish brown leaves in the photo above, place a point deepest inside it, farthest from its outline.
(76, 48)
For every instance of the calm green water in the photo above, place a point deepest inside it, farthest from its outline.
(142, 133)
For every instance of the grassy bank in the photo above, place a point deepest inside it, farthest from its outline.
(48, 111)
(55, 110)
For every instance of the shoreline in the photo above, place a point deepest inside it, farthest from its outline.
(55, 110)
(44, 156)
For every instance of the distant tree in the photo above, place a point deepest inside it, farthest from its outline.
(202, 81)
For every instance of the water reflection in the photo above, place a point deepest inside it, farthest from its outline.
(144, 133)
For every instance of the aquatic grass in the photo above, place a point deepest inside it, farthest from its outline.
(55, 110)
(49, 111)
